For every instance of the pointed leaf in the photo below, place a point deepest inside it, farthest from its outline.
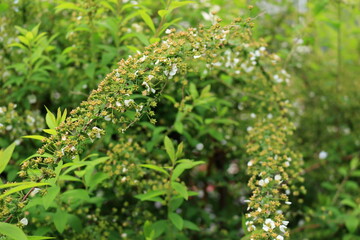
(181, 189)
(150, 195)
(177, 220)
(12, 231)
(154, 167)
(48, 199)
(60, 220)
(21, 187)
(37, 137)
(147, 19)
(169, 147)
(5, 156)
(191, 225)
(50, 119)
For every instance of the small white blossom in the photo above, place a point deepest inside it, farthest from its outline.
(173, 71)
(279, 237)
(197, 56)
(269, 224)
(277, 177)
(128, 102)
(283, 228)
(168, 31)
(150, 77)
(118, 104)
(267, 180)
(24, 221)
(285, 223)
(32, 99)
(265, 228)
(199, 146)
(217, 64)
(323, 155)
(142, 59)
(233, 168)
(261, 182)
(278, 79)
(288, 203)
(34, 192)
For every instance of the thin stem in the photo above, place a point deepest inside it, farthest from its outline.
(339, 43)
(162, 21)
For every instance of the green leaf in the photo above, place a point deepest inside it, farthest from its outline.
(147, 19)
(69, 178)
(108, 6)
(39, 237)
(12, 231)
(177, 220)
(154, 40)
(48, 199)
(68, 6)
(5, 156)
(179, 150)
(8, 185)
(154, 167)
(191, 225)
(50, 119)
(178, 126)
(169, 147)
(50, 131)
(181, 189)
(22, 187)
(96, 179)
(36, 137)
(351, 223)
(159, 227)
(179, 169)
(175, 203)
(349, 202)
(354, 163)
(17, 45)
(75, 194)
(193, 91)
(60, 220)
(174, 5)
(63, 117)
(4, 7)
(150, 195)
(163, 13)
(75, 223)
(149, 232)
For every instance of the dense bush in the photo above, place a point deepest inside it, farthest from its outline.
(197, 130)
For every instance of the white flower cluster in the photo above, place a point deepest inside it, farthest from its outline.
(172, 72)
(270, 225)
(148, 88)
(264, 182)
(285, 77)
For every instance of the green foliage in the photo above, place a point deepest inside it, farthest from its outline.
(195, 102)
